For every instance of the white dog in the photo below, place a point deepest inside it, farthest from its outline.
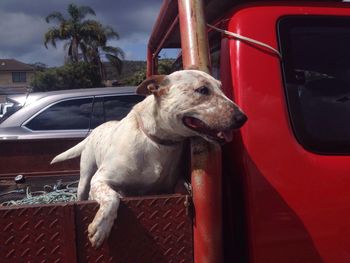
(140, 154)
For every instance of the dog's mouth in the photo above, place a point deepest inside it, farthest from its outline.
(221, 136)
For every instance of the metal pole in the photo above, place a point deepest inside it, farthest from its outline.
(150, 63)
(194, 39)
(205, 157)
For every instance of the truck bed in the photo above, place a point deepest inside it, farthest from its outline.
(148, 228)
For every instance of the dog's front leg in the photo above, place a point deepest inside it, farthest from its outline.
(108, 200)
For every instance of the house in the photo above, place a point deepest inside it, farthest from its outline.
(15, 77)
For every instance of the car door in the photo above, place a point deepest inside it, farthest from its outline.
(65, 119)
(112, 107)
(50, 131)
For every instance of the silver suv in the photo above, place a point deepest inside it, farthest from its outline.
(66, 113)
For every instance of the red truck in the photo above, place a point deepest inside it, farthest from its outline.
(280, 191)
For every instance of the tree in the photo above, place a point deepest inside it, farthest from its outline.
(73, 29)
(39, 66)
(70, 76)
(97, 48)
(88, 36)
(165, 67)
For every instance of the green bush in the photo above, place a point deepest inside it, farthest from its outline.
(135, 79)
(165, 66)
(70, 76)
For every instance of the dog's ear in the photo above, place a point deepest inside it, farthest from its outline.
(151, 85)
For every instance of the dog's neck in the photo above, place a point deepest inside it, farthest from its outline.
(153, 137)
(150, 122)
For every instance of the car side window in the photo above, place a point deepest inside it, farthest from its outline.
(116, 108)
(66, 115)
(316, 69)
(112, 108)
(98, 116)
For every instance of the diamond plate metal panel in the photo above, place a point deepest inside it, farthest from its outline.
(37, 234)
(151, 229)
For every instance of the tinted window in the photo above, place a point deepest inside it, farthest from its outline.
(316, 65)
(65, 115)
(113, 108)
(98, 116)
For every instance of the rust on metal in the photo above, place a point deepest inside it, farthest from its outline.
(37, 234)
(148, 229)
(206, 187)
(161, 33)
(34, 156)
(206, 175)
(194, 39)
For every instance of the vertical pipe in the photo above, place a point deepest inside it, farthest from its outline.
(194, 39)
(205, 157)
(150, 63)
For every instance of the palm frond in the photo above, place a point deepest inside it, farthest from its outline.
(51, 36)
(66, 30)
(110, 33)
(86, 10)
(73, 12)
(116, 62)
(55, 16)
(115, 51)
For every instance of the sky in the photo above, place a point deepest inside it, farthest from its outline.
(23, 26)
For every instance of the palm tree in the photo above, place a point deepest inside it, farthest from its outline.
(72, 29)
(96, 48)
(88, 36)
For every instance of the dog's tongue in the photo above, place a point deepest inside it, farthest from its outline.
(226, 135)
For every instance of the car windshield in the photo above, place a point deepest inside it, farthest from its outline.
(8, 108)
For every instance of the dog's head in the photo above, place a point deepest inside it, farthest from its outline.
(192, 104)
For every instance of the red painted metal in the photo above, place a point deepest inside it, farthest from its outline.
(206, 187)
(167, 35)
(34, 157)
(194, 39)
(37, 234)
(148, 229)
(150, 63)
(296, 202)
(205, 158)
(160, 33)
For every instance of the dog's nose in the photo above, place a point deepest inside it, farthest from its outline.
(239, 119)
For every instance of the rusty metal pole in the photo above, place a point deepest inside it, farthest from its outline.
(194, 39)
(205, 157)
(150, 67)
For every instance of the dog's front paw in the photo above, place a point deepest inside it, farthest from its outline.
(98, 231)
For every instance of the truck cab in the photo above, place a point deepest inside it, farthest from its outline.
(285, 176)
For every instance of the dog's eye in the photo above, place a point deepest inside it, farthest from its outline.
(203, 90)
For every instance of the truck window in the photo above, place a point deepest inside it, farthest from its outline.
(316, 72)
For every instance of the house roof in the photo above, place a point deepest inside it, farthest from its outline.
(14, 65)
